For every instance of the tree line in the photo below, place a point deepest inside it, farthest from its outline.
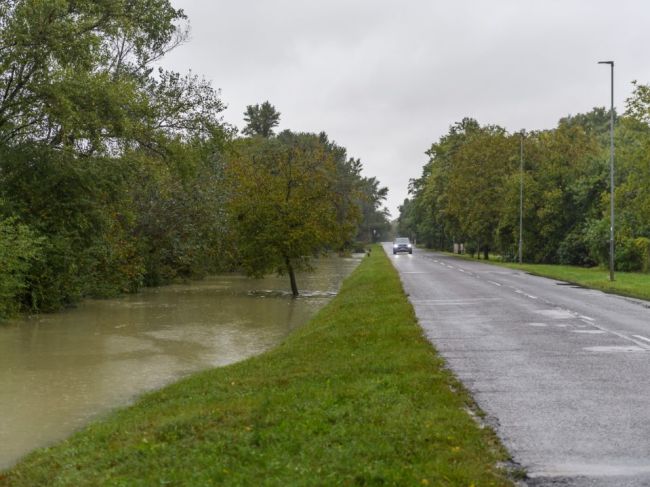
(115, 174)
(469, 190)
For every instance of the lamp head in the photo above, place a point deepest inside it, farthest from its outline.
(611, 63)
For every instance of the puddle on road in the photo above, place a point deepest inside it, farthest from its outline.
(268, 293)
(616, 349)
(556, 314)
(570, 284)
(589, 332)
(540, 325)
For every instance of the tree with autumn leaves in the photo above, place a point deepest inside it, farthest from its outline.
(291, 198)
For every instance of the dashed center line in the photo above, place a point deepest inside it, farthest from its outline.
(642, 343)
(530, 296)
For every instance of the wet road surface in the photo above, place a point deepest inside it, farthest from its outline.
(562, 372)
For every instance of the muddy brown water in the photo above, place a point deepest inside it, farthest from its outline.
(59, 371)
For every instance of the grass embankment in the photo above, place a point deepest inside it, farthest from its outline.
(356, 397)
(631, 284)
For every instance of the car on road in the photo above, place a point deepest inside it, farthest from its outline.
(402, 244)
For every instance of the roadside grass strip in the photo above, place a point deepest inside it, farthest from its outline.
(629, 284)
(355, 397)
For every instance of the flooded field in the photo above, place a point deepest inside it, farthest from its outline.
(59, 371)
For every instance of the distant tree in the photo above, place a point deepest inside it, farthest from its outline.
(260, 119)
(374, 225)
(469, 189)
(475, 184)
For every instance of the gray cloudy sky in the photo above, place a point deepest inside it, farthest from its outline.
(386, 79)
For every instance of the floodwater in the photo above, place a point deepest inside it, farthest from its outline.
(59, 371)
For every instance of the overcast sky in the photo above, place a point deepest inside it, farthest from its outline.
(386, 79)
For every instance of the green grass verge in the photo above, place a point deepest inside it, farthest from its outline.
(631, 284)
(355, 397)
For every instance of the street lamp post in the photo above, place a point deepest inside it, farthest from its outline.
(611, 174)
(521, 196)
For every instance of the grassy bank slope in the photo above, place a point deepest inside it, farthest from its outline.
(356, 397)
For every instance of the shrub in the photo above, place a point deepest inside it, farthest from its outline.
(596, 236)
(642, 245)
(19, 246)
(632, 254)
(573, 250)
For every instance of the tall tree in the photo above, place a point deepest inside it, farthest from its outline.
(261, 119)
(374, 225)
(111, 168)
(282, 203)
(72, 72)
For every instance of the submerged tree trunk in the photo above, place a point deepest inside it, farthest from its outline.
(292, 277)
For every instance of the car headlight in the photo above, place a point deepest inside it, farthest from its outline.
(409, 246)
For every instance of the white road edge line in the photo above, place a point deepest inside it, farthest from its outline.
(642, 338)
(642, 344)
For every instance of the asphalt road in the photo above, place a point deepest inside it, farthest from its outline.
(562, 372)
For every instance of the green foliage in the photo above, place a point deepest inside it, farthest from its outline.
(574, 249)
(116, 169)
(469, 189)
(76, 206)
(638, 105)
(356, 397)
(642, 247)
(71, 71)
(359, 203)
(120, 170)
(19, 248)
(261, 119)
(282, 202)
(596, 236)
(374, 226)
(633, 254)
(180, 221)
